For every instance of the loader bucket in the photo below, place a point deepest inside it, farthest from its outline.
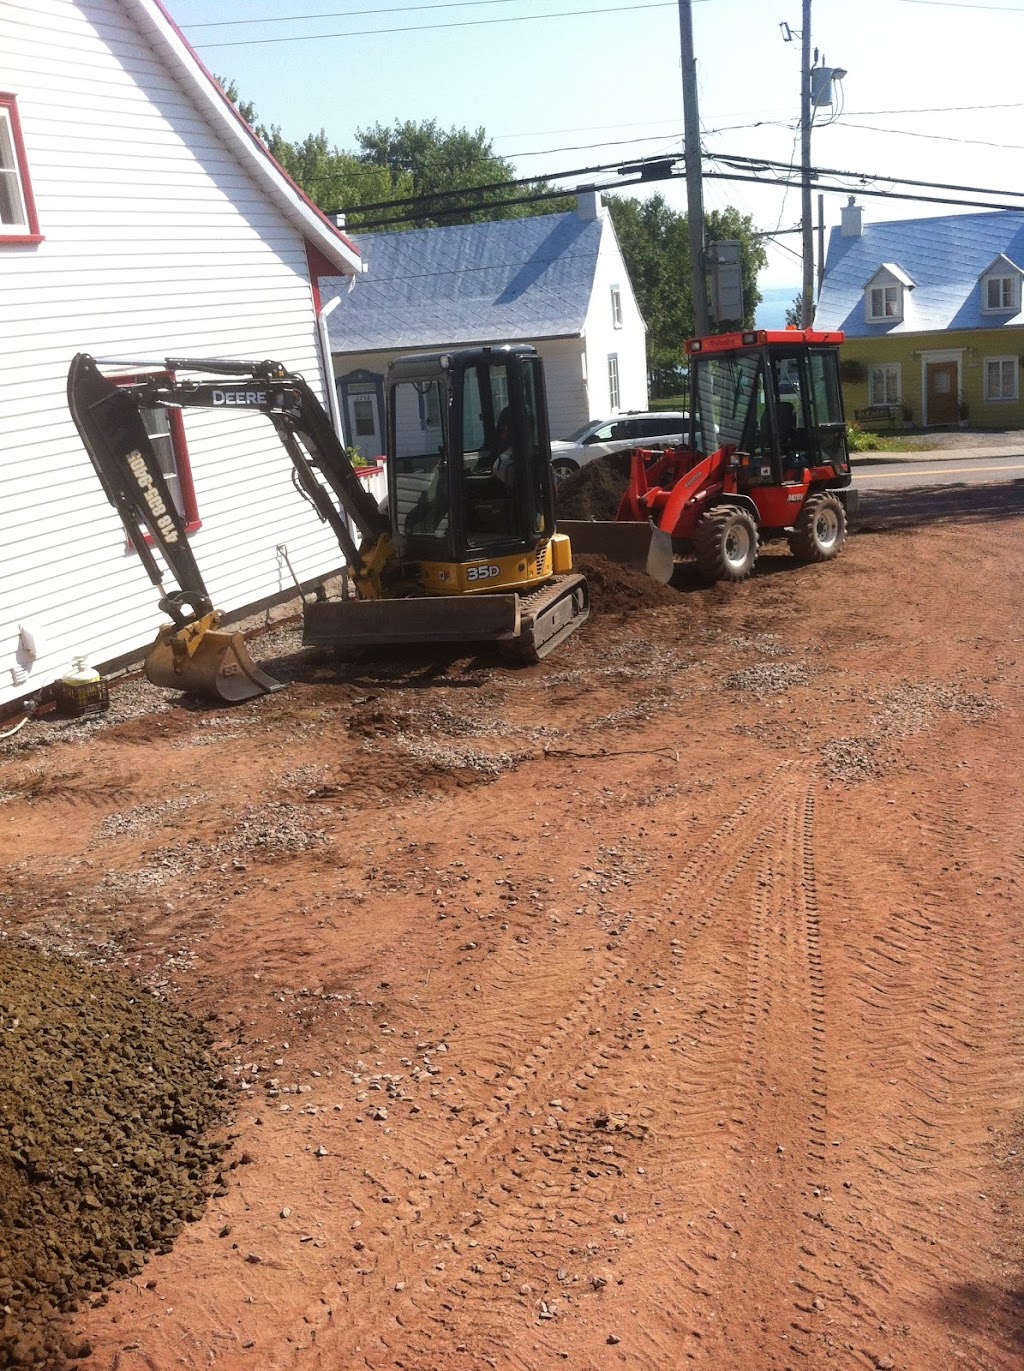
(634, 544)
(213, 664)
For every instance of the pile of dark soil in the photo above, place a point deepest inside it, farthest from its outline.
(618, 589)
(105, 1097)
(596, 490)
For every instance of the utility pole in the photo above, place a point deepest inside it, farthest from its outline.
(807, 227)
(694, 188)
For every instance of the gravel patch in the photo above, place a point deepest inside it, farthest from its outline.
(105, 1097)
(766, 679)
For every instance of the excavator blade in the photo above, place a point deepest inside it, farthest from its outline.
(214, 664)
(634, 544)
(344, 624)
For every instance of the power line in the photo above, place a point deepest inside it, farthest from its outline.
(423, 28)
(339, 14)
(937, 109)
(933, 137)
(866, 176)
(650, 169)
(961, 5)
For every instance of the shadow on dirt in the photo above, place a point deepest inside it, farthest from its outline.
(992, 1311)
(413, 668)
(894, 511)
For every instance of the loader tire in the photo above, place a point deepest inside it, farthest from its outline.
(726, 544)
(820, 529)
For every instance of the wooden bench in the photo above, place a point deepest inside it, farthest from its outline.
(893, 415)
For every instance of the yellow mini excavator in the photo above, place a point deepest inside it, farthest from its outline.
(463, 550)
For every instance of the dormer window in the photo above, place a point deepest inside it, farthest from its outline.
(1001, 294)
(886, 302)
(885, 295)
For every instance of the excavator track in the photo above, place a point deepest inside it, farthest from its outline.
(547, 617)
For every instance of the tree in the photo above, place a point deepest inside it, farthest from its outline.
(399, 163)
(656, 247)
(440, 161)
(794, 312)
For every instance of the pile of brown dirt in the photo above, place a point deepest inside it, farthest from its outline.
(105, 1097)
(596, 490)
(618, 589)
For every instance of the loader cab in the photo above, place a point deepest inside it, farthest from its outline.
(774, 397)
(469, 456)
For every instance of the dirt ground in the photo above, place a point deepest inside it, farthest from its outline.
(657, 1005)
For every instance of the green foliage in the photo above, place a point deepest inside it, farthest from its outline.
(852, 371)
(794, 312)
(858, 440)
(397, 163)
(656, 246)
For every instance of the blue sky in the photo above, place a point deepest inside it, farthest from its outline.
(931, 91)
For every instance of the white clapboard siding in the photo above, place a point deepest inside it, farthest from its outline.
(160, 239)
(604, 339)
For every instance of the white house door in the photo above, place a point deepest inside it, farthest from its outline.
(363, 421)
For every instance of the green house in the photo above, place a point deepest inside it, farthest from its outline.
(931, 310)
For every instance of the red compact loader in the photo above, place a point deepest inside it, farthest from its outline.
(767, 457)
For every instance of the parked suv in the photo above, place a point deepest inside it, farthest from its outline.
(601, 436)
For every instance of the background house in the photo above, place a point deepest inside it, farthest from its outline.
(931, 310)
(557, 281)
(139, 218)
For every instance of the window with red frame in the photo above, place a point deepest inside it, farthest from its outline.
(166, 431)
(18, 222)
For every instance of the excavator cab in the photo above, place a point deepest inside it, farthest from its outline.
(469, 470)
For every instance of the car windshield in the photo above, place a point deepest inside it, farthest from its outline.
(580, 433)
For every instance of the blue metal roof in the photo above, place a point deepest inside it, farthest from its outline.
(512, 280)
(945, 258)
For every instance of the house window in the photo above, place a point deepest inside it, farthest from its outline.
(616, 307)
(429, 394)
(1001, 378)
(885, 302)
(165, 429)
(364, 413)
(1001, 293)
(884, 385)
(18, 223)
(613, 381)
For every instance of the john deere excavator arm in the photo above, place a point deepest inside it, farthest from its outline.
(189, 653)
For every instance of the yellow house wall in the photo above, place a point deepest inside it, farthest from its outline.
(974, 346)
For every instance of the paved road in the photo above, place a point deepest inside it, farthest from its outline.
(939, 467)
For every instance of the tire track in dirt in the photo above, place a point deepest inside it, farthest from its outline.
(763, 1138)
(927, 968)
(652, 990)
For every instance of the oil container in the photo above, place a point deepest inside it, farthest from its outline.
(81, 691)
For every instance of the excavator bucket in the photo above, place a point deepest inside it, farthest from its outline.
(634, 544)
(210, 663)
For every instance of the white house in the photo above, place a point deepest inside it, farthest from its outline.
(557, 281)
(139, 219)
